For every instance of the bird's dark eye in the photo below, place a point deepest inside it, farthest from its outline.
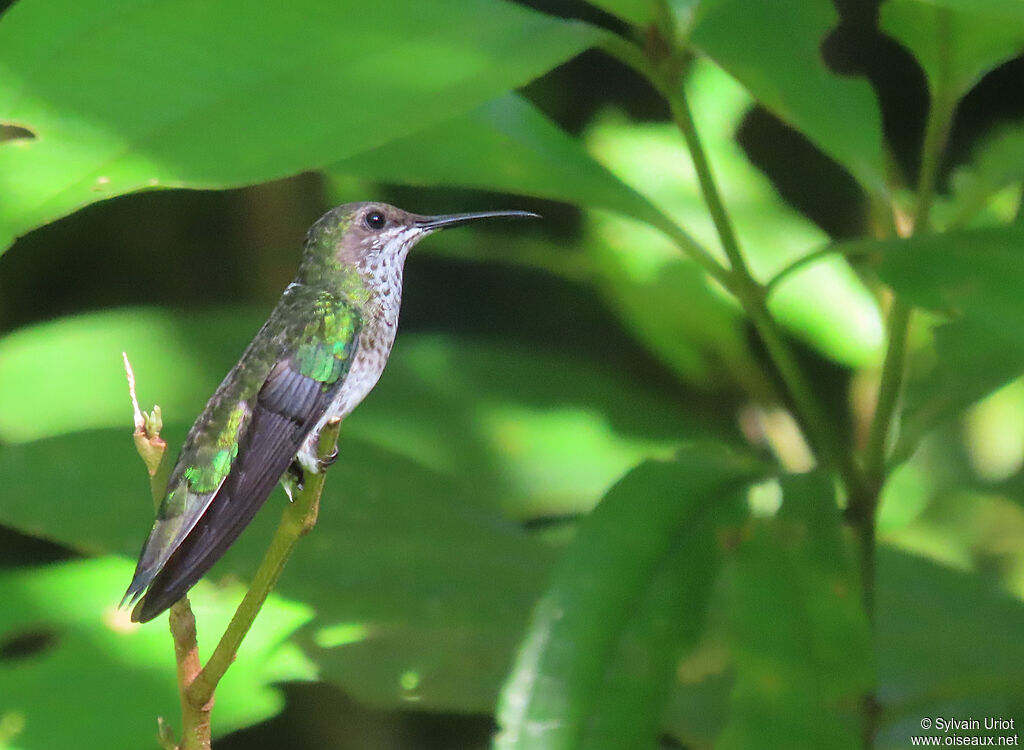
(375, 220)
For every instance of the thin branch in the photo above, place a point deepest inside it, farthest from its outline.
(631, 55)
(196, 684)
(752, 295)
(195, 718)
(298, 519)
(152, 449)
(683, 117)
(807, 260)
(940, 119)
(863, 507)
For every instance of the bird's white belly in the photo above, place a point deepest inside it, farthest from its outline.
(362, 376)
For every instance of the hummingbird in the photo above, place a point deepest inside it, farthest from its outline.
(321, 351)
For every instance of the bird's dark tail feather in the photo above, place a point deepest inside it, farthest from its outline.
(270, 444)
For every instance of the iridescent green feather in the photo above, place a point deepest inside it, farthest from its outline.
(315, 326)
(327, 341)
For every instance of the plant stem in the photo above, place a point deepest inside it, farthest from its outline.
(810, 259)
(683, 117)
(752, 296)
(635, 58)
(195, 720)
(940, 118)
(298, 519)
(893, 368)
(863, 507)
(152, 449)
(196, 684)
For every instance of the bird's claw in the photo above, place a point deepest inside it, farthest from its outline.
(329, 459)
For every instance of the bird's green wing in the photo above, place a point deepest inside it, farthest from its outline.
(242, 444)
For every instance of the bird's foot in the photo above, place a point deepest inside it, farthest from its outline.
(292, 481)
(329, 460)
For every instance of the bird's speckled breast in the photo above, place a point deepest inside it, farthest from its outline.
(375, 342)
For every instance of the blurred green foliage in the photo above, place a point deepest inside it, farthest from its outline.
(573, 502)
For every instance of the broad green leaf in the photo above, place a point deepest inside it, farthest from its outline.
(538, 433)
(122, 675)
(774, 50)
(977, 274)
(504, 145)
(124, 96)
(825, 304)
(682, 14)
(948, 645)
(666, 300)
(955, 45)
(419, 583)
(799, 637)
(507, 145)
(971, 360)
(406, 571)
(636, 12)
(600, 653)
(67, 375)
(1003, 10)
(996, 164)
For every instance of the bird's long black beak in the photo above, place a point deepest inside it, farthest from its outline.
(432, 223)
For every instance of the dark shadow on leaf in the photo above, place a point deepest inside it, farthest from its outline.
(15, 133)
(25, 644)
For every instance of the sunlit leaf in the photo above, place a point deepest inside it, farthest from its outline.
(954, 43)
(456, 436)
(67, 375)
(799, 637)
(507, 145)
(1004, 10)
(997, 163)
(122, 674)
(504, 145)
(123, 96)
(536, 432)
(667, 301)
(971, 360)
(976, 274)
(387, 561)
(599, 657)
(774, 49)
(825, 304)
(995, 433)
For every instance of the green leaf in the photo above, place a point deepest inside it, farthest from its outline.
(799, 637)
(537, 433)
(971, 361)
(122, 675)
(664, 298)
(824, 304)
(996, 164)
(977, 274)
(954, 43)
(948, 645)
(123, 96)
(505, 145)
(636, 12)
(407, 570)
(419, 582)
(774, 50)
(599, 657)
(1003, 10)
(67, 375)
